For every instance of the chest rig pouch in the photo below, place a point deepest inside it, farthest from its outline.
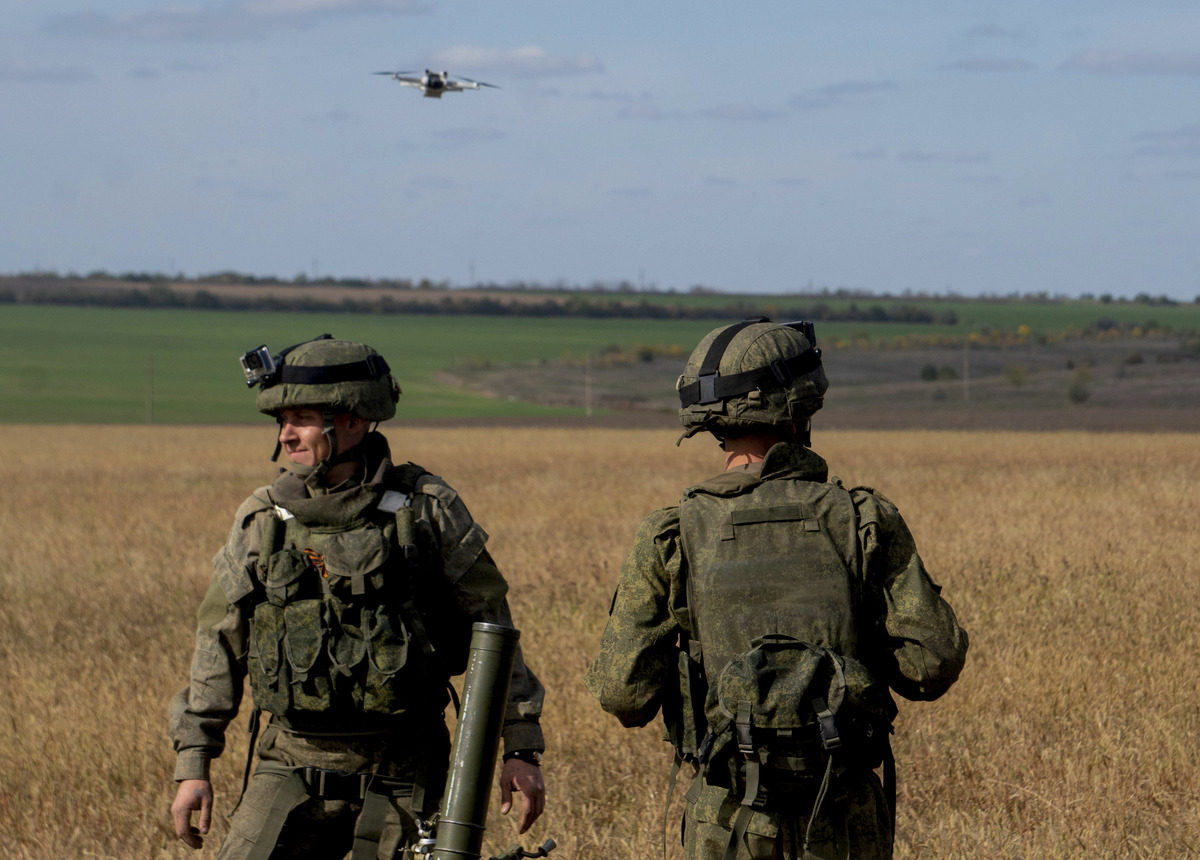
(337, 631)
(774, 590)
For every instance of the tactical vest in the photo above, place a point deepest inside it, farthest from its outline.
(774, 593)
(340, 638)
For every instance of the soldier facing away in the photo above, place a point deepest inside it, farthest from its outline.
(768, 614)
(346, 592)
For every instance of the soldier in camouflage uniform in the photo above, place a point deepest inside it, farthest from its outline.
(767, 615)
(346, 593)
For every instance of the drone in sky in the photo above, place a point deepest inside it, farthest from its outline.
(433, 84)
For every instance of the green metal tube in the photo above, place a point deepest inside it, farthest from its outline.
(476, 742)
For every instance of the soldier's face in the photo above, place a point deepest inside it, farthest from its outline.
(302, 435)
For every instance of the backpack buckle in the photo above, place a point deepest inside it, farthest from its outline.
(830, 739)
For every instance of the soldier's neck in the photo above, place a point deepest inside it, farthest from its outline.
(743, 451)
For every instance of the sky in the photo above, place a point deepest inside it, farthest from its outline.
(945, 147)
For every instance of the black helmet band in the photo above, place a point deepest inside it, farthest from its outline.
(372, 367)
(711, 387)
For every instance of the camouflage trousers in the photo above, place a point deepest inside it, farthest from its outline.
(778, 832)
(324, 828)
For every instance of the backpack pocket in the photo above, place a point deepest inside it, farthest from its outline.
(775, 677)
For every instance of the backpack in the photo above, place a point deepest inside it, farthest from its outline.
(774, 593)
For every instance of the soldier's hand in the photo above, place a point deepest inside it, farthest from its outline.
(526, 778)
(193, 794)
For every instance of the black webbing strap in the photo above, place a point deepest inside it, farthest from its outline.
(712, 388)
(712, 361)
(372, 367)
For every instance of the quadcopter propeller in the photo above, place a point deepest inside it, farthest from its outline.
(478, 83)
(394, 73)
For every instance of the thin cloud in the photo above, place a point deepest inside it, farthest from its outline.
(951, 157)
(872, 154)
(465, 136)
(527, 62)
(989, 64)
(740, 113)
(647, 112)
(839, 94)
(1182, 142)
(23, 74)
(1032, 201)
(993, 31)
(1121, 63)
(238, 19)
(617, 96)
(630, 192)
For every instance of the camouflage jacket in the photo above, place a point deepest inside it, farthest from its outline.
(917, 646)
(200, 713)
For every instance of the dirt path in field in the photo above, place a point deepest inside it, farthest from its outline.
(1106, 386)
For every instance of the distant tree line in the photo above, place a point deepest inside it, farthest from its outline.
(400, 296)
(126, 292)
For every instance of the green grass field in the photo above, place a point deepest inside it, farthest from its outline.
(99, 365)
(96, 365)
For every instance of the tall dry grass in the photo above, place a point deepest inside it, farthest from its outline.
(1072, 559)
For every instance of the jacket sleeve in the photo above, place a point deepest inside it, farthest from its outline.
(636, 665)
(482, 593)
(924, 646)
(200, 713)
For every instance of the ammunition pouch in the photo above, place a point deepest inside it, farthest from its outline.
(685, 726)
(336, 633)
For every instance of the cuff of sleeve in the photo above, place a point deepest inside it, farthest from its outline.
(523, 736)
(191, 764)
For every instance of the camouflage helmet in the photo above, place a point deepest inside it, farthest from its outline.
(330, 375)
(750, 374)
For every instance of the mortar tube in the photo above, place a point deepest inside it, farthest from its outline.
(464, 809)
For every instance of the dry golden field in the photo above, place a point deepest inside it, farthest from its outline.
(1072, 559)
